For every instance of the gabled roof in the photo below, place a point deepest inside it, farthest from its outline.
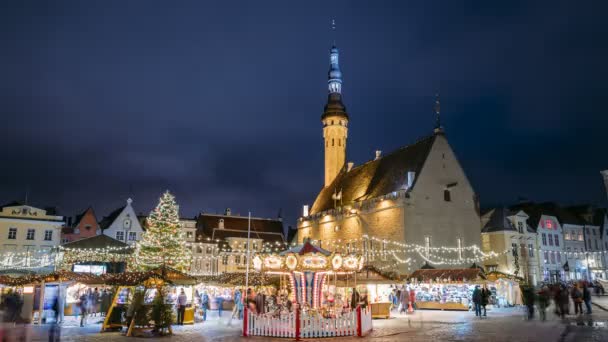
(79, 217)
(108, 220)
(208, 225)
(98, 241)
(499, 221)
(377, 177)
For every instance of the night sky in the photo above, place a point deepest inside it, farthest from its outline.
(220, 101)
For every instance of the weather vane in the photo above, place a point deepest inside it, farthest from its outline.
(438, 110)
(333, 30)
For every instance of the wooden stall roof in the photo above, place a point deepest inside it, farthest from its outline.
(368, 275)
(495, 275)
(453, 274)
(238, 279)
(165, 273)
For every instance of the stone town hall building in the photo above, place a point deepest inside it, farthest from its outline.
(418, 194)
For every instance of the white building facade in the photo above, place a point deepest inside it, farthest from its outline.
(122, 224)
(28, 235)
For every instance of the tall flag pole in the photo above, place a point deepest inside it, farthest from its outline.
(248, 253)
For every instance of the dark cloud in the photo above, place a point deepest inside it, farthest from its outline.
(220, 103)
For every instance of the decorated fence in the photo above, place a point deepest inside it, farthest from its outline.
(296, 325)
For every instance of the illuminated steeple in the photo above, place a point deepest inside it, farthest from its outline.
(335, 119)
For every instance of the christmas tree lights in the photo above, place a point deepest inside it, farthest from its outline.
(163, 243)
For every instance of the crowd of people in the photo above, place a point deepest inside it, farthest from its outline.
(91, 302)
(402, 298)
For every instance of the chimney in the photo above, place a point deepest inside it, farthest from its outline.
(228, 212)
(411, 176)
(349, 166)
(378, 154)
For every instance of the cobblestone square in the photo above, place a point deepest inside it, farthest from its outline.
(505, 324)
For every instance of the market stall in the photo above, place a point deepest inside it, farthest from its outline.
(370, 282)
(505, 289)
(445, 289)
(149, 282)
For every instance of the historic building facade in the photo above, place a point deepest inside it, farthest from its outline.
(83, 226)
(122, 224)
(505, 229)
(418, 194)
(219, 241)
(27, 236)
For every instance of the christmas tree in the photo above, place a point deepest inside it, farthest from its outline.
(163, 243)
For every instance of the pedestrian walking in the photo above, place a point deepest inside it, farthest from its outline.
(54, 331)
(412, 298)
(219, 300)
(83, 305)
(529, 299)
(105, 302)
(403, 300)
(543, 301)
(577, 298)
(485, 298)
(182, 301)
(205, 304)
(587, 298)
(477, 301)
(564, 301)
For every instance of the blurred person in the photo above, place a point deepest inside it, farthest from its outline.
(477, 300)
(577, 298)
(485, 298)
(587, 298)
(182, 301)
(83, 306)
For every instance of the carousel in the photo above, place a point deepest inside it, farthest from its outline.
(308, 269)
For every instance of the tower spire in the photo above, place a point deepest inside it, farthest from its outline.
(333, 31)
(437, 110)
(334, 118)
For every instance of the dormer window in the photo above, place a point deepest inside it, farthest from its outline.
(520, 227)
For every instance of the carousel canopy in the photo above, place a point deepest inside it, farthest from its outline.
(306, 248)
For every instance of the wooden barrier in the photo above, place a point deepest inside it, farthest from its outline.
(295, 325)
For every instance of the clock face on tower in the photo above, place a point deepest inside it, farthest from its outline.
(127, 223)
